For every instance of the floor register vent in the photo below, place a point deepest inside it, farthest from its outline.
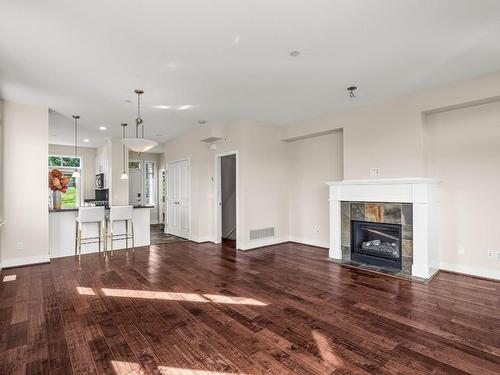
(257, 234)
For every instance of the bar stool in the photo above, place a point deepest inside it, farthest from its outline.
(88, 215)
(121, 213)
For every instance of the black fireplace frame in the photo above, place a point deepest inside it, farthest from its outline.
(374, 260)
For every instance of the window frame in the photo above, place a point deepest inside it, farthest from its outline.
(69, 170)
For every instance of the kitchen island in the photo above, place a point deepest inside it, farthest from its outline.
(62, 231)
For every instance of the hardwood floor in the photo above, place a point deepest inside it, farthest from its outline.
(184, 308)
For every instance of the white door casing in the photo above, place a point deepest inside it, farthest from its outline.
(179, 199)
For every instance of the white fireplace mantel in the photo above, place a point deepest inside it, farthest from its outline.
(421, 192)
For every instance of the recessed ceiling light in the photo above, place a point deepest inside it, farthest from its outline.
(184, 107)
(162, 106)
(128, 101)
(159, 135)
(237, 39)
(102, 128)
(202, 122)
(294, 53)
(86, 140)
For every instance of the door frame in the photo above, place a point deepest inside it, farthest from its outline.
(217, 198)
(165, 230)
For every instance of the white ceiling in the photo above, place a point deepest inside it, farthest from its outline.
(230, 59)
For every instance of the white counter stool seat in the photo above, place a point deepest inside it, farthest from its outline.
(87, 215)
(117, 214)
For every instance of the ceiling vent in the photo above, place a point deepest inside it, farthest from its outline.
(211, 139)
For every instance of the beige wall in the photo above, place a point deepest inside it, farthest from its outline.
(118, 188)
(463, 151)
(311, 162)
(25, 153)
(87, 155)
(263, 197)
(370, 129)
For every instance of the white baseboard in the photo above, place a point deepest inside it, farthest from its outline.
(474, 271)
(25, 261)
(201, 239)
(261, 243)
(305, 241)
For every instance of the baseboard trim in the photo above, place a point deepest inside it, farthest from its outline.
(18, 262)
(308, 242)
(201, 239)
(470, 271)
(262, 243)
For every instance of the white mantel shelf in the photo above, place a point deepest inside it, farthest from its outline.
(421, 192)
(387, 181)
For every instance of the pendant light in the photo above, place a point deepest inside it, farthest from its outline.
(139, 143)
(76, 174)
(124, 175)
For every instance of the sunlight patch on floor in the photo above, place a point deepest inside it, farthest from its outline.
(9, 278)
(171, 296)
(85, 291)
(326, 351)
(164, 370)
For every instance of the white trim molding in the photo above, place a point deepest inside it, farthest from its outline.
(16, 262)
(421, 192)
(474, 271)
(262, 243)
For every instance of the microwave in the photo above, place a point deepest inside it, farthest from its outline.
(99, 181)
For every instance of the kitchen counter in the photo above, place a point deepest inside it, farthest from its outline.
(76, 209)
(62, 231)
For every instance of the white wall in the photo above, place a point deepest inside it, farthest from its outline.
(311, 162)
(87, 155)
(25, 155)
(463, 151)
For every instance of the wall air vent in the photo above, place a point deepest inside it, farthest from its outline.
(257, 234)
(211, 139)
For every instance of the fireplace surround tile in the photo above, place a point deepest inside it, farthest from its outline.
(373, 212)
(379, 212)
(357, 211)
(407, 214)
(391, 213)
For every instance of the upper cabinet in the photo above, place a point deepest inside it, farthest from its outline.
(102, 165)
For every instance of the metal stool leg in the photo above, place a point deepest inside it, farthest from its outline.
(126, 235)
(103, 237)
(133, 236)
(111, 235)
(79, 242)
(99, 237)
(76, 238)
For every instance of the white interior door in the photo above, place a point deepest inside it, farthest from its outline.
(179, 197)
(135, 186)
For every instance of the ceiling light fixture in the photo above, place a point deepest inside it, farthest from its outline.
(201, 122)
(184, 107)
(351, 90)
(76, 173)
(139, 144)
(162, 106)
(86, 140)
(294, 53)
(124, 175)
(102, 128)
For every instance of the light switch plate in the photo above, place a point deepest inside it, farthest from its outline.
(374, 172)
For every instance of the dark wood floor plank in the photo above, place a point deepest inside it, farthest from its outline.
(207, 308)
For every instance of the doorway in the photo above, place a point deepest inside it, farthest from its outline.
(227, 199)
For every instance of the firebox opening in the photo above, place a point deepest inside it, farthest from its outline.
(377, 244)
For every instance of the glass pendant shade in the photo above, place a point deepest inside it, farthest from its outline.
(139, 144)
(76, 174)
(124, 176)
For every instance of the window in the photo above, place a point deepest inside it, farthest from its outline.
(149, 183)
(67, 165)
